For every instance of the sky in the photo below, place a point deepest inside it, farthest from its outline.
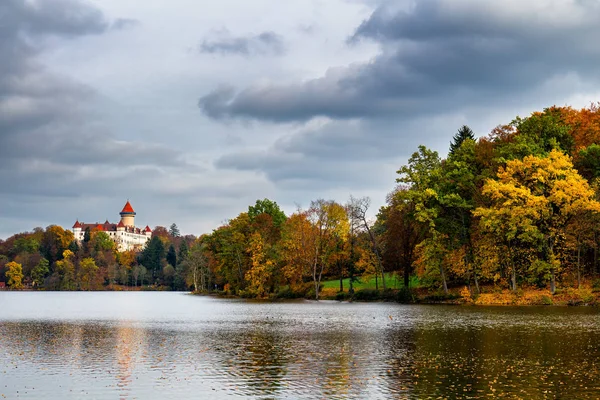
(193, 109)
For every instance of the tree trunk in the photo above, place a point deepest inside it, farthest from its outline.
(578, 267)
(476, 283)
(552, 281)
(406, 277)
(513, 278)
(445, 285)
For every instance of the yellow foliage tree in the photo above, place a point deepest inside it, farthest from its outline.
(532, 201)
(261, 269)
(14, 274)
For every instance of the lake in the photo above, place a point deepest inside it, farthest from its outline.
(157, 345)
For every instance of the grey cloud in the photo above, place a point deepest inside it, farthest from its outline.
(264, 43)
(124, 23)
(340, 153)
(49, 141)
(437, 56)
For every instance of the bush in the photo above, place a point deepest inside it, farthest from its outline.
(366, 295)
(405, 295)
(546, 300)
(441, 296)
(341, 296)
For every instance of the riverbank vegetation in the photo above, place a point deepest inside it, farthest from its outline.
(510, 218)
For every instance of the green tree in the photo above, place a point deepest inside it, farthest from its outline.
(183, 251)
(174, 230)
(172, 256)
(40, 271)
(464, 133)
(152, 256)
(267, 206)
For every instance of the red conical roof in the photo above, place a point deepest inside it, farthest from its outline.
(120, 224)
(127, 208)
(77, 224)
(147, 229)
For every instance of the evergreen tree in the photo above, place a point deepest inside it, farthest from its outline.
(152, 256)
(174, 230)
(184, 250)
(172, 256)
(87, 235)
(463, 134)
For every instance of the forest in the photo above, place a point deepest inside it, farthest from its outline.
(514, 210)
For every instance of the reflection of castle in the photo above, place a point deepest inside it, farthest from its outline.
(124, 234)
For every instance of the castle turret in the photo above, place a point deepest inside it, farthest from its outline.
(128, 215)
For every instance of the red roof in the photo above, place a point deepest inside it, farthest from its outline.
(147, 229)
(77, 224)
(127, 208)
(120, 224)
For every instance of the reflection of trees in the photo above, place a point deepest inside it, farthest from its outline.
(256, 358)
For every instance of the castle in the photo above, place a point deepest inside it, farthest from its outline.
(124, 234)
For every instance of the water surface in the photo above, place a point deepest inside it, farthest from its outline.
(153, 345)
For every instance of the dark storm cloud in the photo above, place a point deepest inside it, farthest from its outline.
(436, 56)
(261, 44)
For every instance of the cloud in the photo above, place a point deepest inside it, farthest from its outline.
(124, 23)
(52, 144)
(436, 56)
(264, 43)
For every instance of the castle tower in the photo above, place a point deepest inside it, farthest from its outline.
(127, 215)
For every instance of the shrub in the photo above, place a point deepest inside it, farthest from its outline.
(546, 300)
(366, 295)
(405, 295)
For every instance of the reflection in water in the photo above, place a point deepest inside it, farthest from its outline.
(210, 348)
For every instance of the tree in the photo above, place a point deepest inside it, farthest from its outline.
(87, 235)
(358, 210)
(267, 206)
(533, 201)
(197, 267)
(172, 256)
(65, 271)
(463, 134)
(298, 246)
(260, 271)
(422, 176)
(331, 222)
(40, 271)
(183, 252)
(14, 274)
(152, 256)
(174, 230)
(401, 233)
(88, 270)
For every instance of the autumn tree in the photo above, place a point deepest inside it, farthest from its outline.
(269, 207)
(14, 274)
(331, 223)
(532, 201)
(358, 208)
(88, 270)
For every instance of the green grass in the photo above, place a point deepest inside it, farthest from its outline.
(392, 281)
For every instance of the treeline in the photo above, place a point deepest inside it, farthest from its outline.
(51, 259)
(516, 208)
